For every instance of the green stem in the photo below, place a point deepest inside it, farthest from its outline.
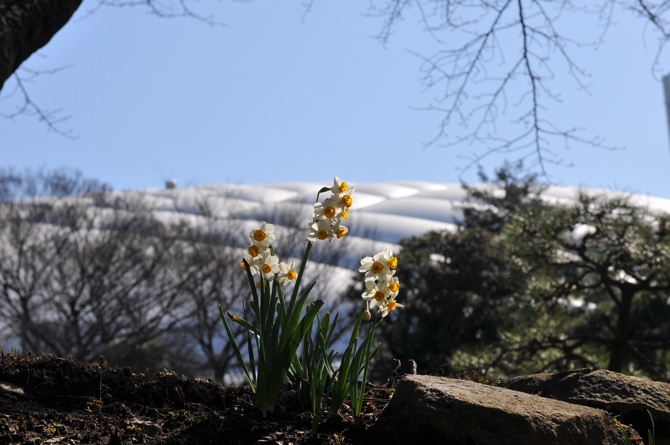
(298, 279)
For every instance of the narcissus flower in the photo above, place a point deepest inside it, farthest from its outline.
(322, 211)
(269, 267)
(326, 229)
(340, 202)
(255, 262)
(376, 293)
(287, 273)
(253, 250)
(320, 230)
(339, 186)
(393, 286)
(380, 266)
(340, 232)
(389, 305)
(258, 255)
(264, 236)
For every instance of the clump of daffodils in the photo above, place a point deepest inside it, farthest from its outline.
(281, 325)
(381, 284)
(328, 215)
(261, 258)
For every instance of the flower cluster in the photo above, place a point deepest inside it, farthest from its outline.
(283, 326)
(381, 286)
(261, 258)
(327, 215)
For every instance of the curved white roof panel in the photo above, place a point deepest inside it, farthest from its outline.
(386, 212)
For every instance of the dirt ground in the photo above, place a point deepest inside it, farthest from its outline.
(58, 400)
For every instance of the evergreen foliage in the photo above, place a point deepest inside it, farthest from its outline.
(528, 286)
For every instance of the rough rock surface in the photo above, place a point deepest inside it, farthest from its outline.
(626, 396)
(428, 409)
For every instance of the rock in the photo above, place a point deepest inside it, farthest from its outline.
(625, 396)
(428, 409)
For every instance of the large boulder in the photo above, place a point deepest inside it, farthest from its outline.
(627, 397)
(428, 409)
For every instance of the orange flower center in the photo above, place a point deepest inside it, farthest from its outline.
(392, 263)
(344, 187)
(379, 295)
(253, 251)
(391, 305)
(259, 235)
(322, 234)
(377, 267)
(347, 201)
(266, 268)
(340, 232)
(290, 275)
(394, 287)
(329, 212)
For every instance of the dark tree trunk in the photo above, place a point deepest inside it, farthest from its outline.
(28, 25)
(620, 346)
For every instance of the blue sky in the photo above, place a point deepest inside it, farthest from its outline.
(272, 97)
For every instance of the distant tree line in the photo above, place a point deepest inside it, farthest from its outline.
(89, 272)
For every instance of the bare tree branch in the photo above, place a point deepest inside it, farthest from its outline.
(28, 25)
(164, 9)
(28, 107)
(495, 64)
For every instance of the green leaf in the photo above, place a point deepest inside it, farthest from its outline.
(278, 370)
(236, 348)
